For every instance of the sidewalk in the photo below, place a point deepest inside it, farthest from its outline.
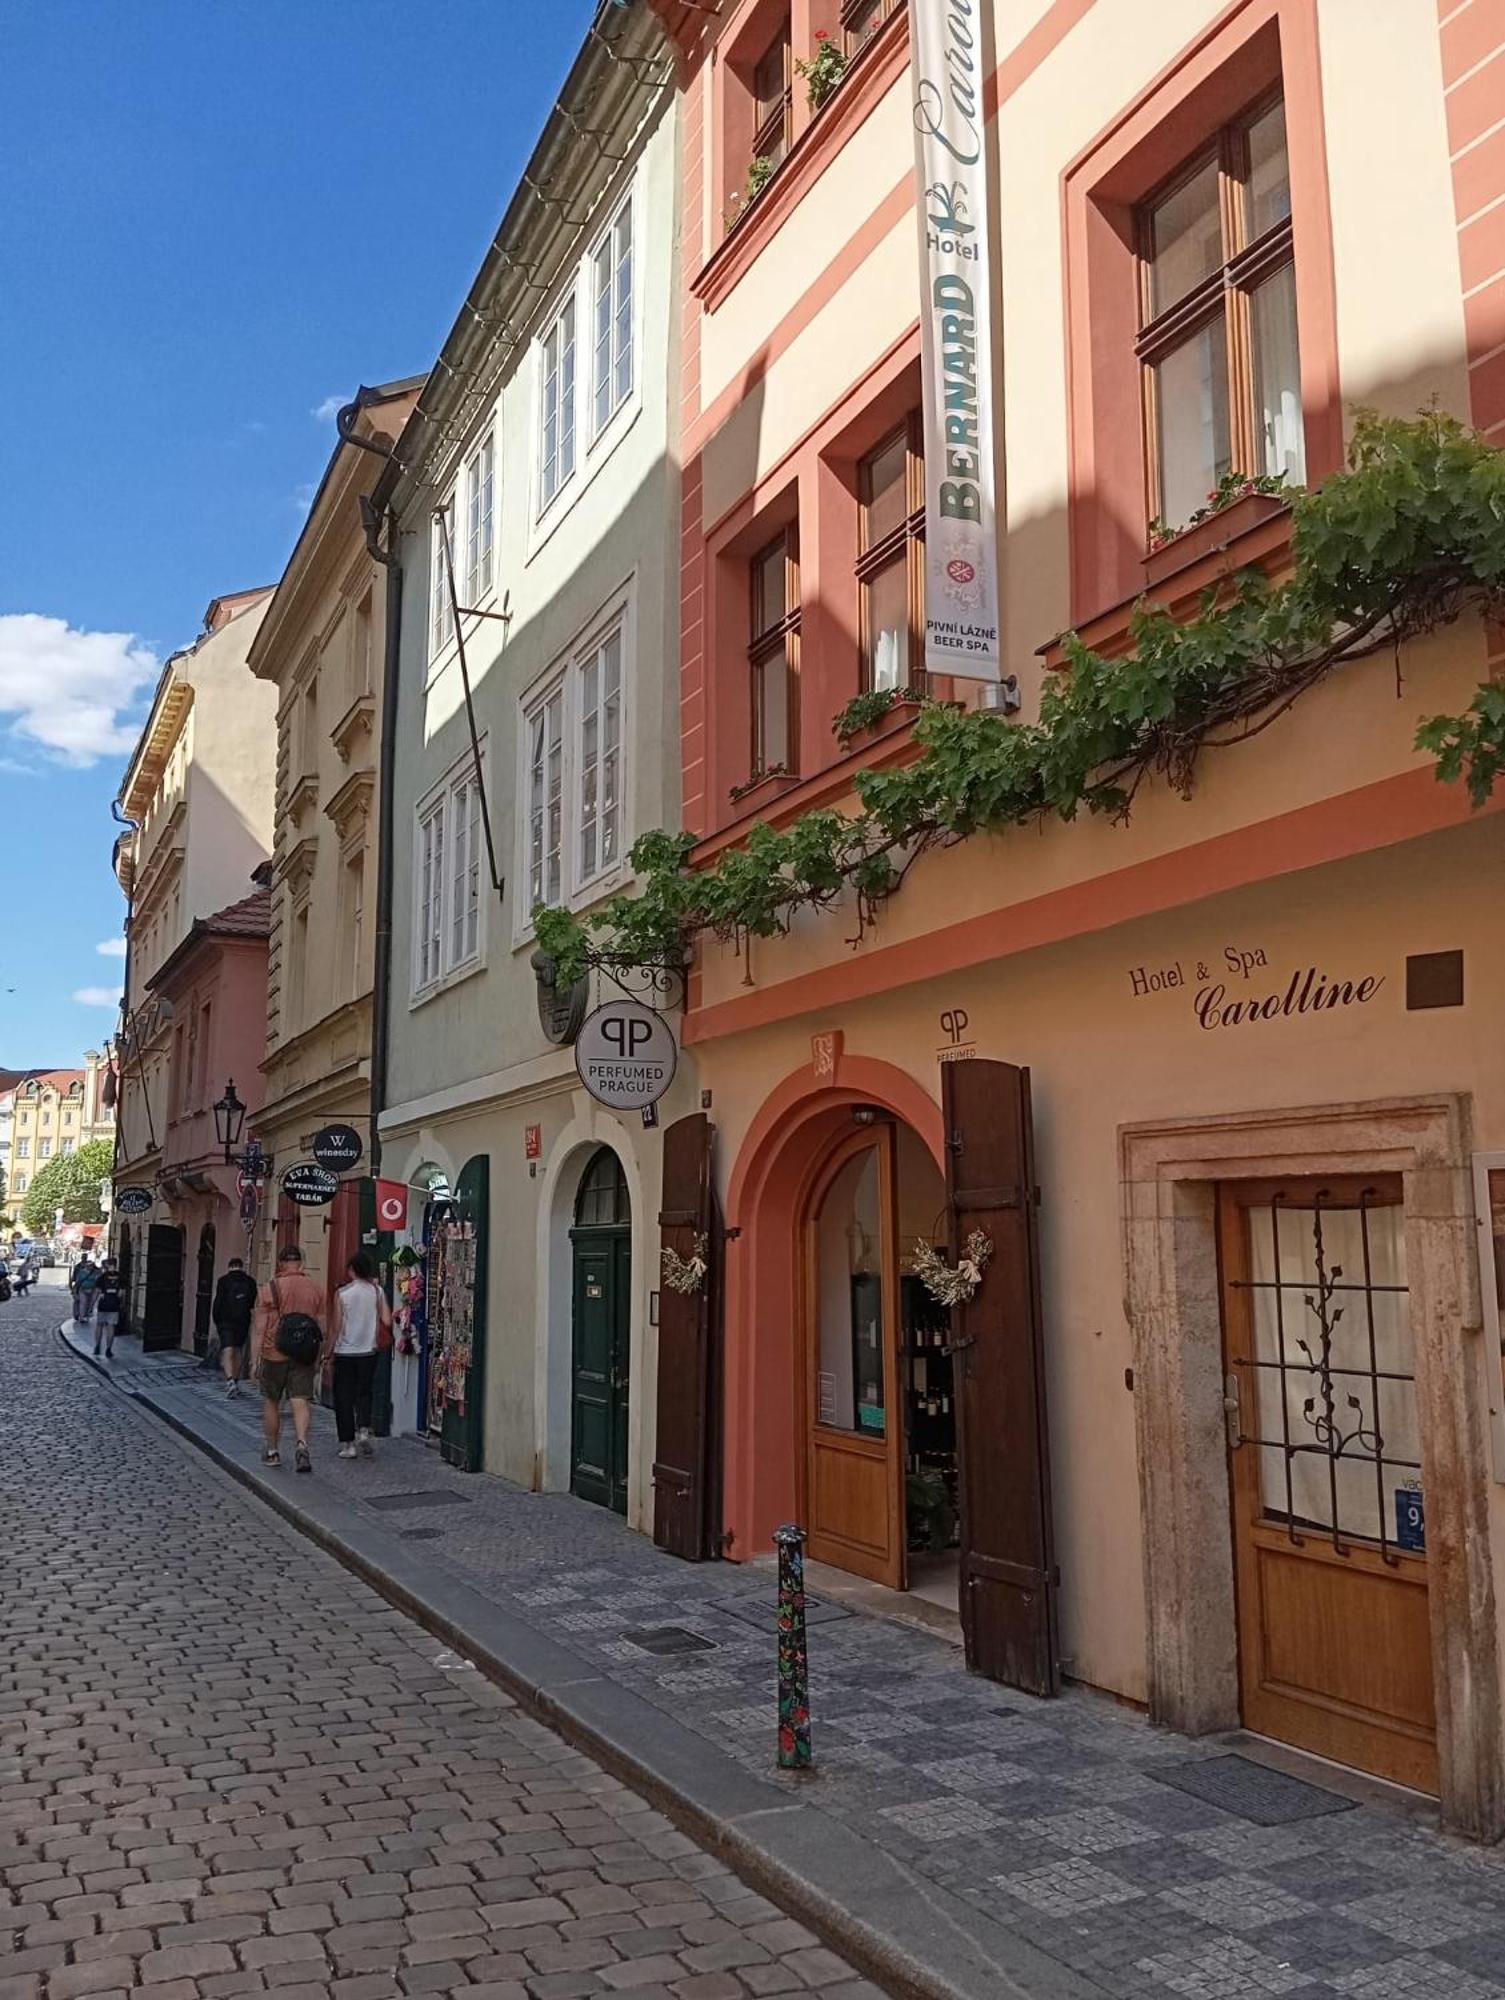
(957, 1838)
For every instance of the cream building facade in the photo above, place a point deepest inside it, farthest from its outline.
(320, 651)
(546, 440)
(197, 800)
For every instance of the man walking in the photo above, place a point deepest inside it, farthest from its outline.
(288, 1347)
(234, 1305)
(85, 1284)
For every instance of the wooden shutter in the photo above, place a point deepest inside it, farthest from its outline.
(684, 1472)
(1008, 1577)
(343, 1240)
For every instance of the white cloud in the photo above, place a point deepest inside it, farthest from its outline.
(329, 409)
(69, 690)
(97, 996)
(111, 948)
(302, 497)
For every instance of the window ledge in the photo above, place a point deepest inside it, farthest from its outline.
(892, 744)
(358, 720)
(303, 796)
(873, 72)
(1242, 537)
(443, 985)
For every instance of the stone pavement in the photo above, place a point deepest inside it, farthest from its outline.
(1072, 1847)
(226, 1766)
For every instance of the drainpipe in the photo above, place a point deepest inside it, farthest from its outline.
(381, 1007)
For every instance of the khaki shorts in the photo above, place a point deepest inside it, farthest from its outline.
(280, 1377)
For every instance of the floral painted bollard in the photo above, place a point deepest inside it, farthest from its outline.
(794, 1664)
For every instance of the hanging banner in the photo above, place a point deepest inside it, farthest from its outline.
(956, 326)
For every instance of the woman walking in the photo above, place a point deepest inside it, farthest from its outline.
(362, 1326)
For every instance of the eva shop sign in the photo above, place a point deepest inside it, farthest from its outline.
(948, 65)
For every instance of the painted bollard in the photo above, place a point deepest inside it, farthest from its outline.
(794, 1664)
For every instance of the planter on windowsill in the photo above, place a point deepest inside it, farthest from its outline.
(893, 722)
(1216, 532)
(763, 791)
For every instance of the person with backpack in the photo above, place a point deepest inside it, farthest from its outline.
(289, 1346)
(107, 1305)
(232, 1312)
(85, 1284)
(362, 1328)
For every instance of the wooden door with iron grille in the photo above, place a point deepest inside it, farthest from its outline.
(1325, 1474)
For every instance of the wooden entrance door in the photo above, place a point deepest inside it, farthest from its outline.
(1325, 1475)
(601, 1242)
(854, 1457)
(162, 1316)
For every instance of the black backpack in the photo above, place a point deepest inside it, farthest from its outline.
(297, 1338)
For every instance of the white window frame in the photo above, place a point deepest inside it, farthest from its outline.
(566, 681)
(593, 440)
(553, 475)
(480, 520)
(441, 624)
(606, 260)
(449, 940)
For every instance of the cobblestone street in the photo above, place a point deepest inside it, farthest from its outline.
(1100, 1856)
(225, 1766)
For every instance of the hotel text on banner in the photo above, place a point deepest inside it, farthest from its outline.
(956, 320)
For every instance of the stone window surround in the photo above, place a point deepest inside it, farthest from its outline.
(1169, 1170)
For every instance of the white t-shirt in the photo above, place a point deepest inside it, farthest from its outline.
(358, 1317)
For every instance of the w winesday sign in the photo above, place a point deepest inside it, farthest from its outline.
(626, 1055)
(947, 43)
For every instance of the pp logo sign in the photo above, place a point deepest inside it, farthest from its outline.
(626, 1055)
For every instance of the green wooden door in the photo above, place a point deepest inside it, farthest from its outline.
(599, 1384)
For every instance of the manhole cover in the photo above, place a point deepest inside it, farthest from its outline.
(667, 1639)
(763, 1611)
(433, 1497)
(1252, 1791)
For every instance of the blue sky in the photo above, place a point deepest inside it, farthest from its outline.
(217, 219)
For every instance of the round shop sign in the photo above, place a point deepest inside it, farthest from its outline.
(338, 1146)
(310, 1186)
(625, 1055)
(134, 1201)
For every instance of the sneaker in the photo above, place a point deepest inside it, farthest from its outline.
(346, 1451)
(97, 1352)
(301, 1460)
(366, 1442)
(271, 1458)
(233, 1389)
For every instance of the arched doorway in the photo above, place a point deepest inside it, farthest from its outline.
(875, 1390)
(203, 1297)
(601, 1290)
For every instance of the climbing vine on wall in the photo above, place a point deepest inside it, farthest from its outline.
(1408, 537)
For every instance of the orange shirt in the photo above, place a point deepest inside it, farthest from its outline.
(298, 1294)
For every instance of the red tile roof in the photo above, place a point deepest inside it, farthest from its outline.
(251, 917)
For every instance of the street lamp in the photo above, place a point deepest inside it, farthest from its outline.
(229, 1117)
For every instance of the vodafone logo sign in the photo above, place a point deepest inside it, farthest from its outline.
(391, 1205)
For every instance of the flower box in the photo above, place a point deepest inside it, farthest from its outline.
(900, 717)
(1216, 532)
(747, 799)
